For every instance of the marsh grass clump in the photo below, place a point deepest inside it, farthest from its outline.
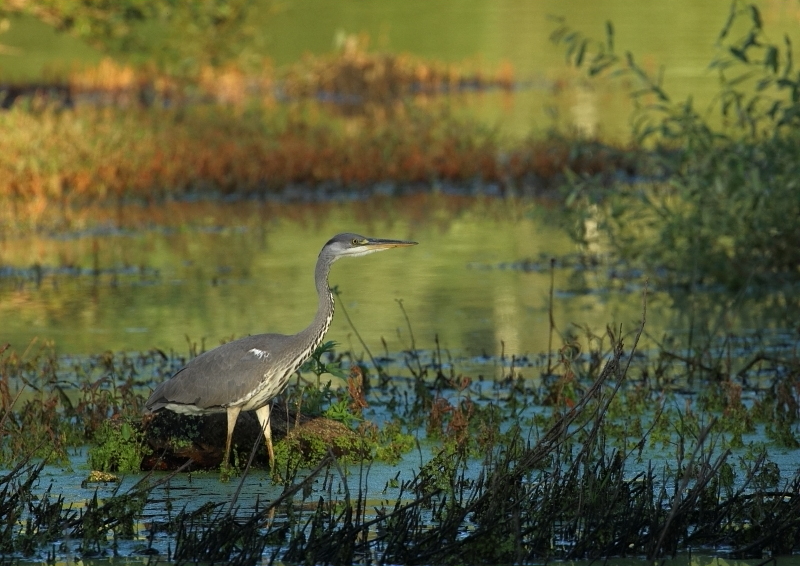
(50, 404)
(567, 494)
(361, 81)
(35, 520)
(218, 537)
(18, 535)
(33, 421)
(153, 138)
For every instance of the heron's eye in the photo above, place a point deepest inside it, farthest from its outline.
(355, 241)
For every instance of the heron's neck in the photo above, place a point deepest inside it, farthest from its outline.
(315, 331)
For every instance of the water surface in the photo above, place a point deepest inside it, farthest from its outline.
(479, 280)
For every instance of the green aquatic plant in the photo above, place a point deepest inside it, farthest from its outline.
(626, 464)
(118, 447)
(340, 411)
(389, 443)
(318, 366)
(35, 520)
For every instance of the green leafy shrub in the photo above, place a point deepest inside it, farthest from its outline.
(723, 206)
(117, 447)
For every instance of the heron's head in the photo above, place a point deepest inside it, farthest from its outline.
(353, 245)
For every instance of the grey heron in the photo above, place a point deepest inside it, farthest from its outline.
(248, 373)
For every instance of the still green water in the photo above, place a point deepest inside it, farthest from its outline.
(254, 273)
(680, 36)
(479, 280)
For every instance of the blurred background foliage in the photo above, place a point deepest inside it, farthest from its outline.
(176, 36)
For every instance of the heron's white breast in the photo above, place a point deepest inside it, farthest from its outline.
(274, 381)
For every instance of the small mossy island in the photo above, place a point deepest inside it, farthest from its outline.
(615, 441)
(170, 440)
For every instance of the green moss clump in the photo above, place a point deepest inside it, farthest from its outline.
(117, 448)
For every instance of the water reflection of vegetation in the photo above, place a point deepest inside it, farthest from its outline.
(216, 270)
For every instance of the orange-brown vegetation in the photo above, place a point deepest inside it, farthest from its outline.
(137, 134)
(94, 153)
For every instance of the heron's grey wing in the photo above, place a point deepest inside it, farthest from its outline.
(220, 376)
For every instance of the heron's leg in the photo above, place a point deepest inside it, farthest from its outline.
(233, 414)
(263, 417)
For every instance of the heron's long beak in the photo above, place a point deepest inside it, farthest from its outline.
(379, 244)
